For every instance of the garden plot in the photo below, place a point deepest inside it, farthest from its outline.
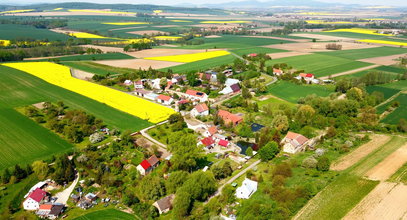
(353, 157)
(386, 201)
(389, 166)
(386, 60)
(318, 46)
(139, 63)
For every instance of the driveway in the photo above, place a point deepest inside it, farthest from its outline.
(64, 195)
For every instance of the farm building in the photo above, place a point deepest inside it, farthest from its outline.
(229, 118)
(234, 88)
(200, 110)
(142, 92)
(196, 95)
(230, 81)
(32, 202)
(247, 189)
(306, 76)
(208, 142)
(278, 72)
(148, 165)
(164, 205)
(164, 99)
(294, 143)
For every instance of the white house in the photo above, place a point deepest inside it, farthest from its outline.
(196, 95)
(294, 143)
(164, 99)
(200, 110)
(127, 82)
(32, 202)
(247, 189)
(138, 85)
(230, 81)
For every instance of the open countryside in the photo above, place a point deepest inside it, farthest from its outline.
(227, 110)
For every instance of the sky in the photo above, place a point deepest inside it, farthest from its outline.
(198, 2)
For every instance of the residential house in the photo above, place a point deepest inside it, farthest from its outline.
(164, 205)
(211, 131)
(152, 96)
(56, 211)
(44, 210)
(139, 85)
(294, 143)
(200, 110)
(196, 95)
(306, 76)
(247, 189)
(91, 197)
(127, 82)
(252, 55)
(278, 72)
(235, 88)
(148, 165)
(142, 92)
(223, 143)
(32, 202)
(229, 118)
(164, 99)
(208, 142)
(230, 81)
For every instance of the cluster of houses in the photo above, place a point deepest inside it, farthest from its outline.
(308, 77)
(41, 202)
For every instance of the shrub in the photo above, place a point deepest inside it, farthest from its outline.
(309, 163)
(323, 164)
(96, 137)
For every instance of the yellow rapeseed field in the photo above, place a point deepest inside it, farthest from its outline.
(60, 75)
(158, 11)
(225, 22)
(57, 9)
(102, 11)
(180, 21)
(86, 35)
(383, 42)
(125, 23)
(172, 38)
(187, 58)
(359, 31)
(16, 11)
(4, 43)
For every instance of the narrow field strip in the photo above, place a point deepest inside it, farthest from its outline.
(188, 58)
(60, 75)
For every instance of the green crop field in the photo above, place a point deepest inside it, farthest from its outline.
(16, 32)
(22, 140)
(401, 85)
(107, 214)
(231, 41)
(393, 72)
(245, 51)
(292, 92)
(104, 56)
(320, 64)
(359, 36)
(387, 92)
(202, 64)
(357, 54)
(97, 68)
(399, 113)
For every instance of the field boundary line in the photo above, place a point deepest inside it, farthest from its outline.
(350, 72)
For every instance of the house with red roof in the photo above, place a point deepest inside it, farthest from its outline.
(33, 200)
(208, 142)
(196, 95)
(223, 143)
(277, 72)
(252, 55)
(44, 210)
(200, 110)
(164, 99)
(148, 165)
(294, 143)
(229, 118)
(306, 76)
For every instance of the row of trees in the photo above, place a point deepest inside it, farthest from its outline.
(40, 51)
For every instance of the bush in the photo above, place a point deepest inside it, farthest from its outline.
(96, 137)
(323, 164)
(309, 163)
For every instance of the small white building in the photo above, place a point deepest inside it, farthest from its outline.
(139, 85)
(127, 82)
(230, 81)
(164, 99)
(247, 189)
(33, 200)
(200, 110)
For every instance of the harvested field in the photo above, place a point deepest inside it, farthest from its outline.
(281, 38)
(353, 157)
(389, 166)
(386, 60)
(79, 74)
(148, 32)
(286, 54)
(213, 36)
(105, 49)
(324, 37)
(317, 46)
(386, 201)
(138, 63)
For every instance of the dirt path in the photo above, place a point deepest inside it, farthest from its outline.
(353, 157)
(64, 195)
(386, 201)
(389, 166)
(350, 72)
(79, 74)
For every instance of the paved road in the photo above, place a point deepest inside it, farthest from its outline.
(349, 72)
(64, 195)
(219, 191)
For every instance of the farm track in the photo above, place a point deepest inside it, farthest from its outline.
(350, 72)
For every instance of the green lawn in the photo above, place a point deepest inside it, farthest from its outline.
(292, 92)
(106, 214)
(22, 140)
(357, 54)
(104, 56)
(17, 31)
(249, 50)
(347, 190)
(320, 64)
(202, 64)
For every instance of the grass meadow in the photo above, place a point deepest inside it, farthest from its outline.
(292, 92)
(17, 31)
(107, 214)
(202, 64)
(357, 54)
(249, 50)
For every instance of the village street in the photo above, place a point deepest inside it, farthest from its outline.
(64, 195)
